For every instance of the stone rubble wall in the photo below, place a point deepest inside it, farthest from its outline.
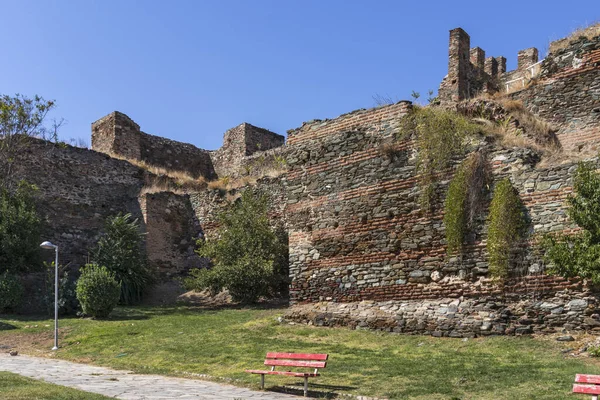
(172, 229)
(567, 94)
(500, 314)
(240, 142)
(357, 233)
(78, 190)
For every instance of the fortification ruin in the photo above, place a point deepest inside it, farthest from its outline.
(362, 252)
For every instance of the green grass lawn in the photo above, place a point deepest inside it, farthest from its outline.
(15, 387)
(222, 343)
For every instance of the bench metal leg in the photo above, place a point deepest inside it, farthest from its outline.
(262, 381)
(306, 386)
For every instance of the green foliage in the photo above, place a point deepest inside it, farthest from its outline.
(464, 199)
(98, 291)
(506, 227)
(120, 250)
(579, 254)
(20, 119)
(11, 291)
(67, 296)
(594, 351)
(440, 136)
(19, 229)
(249, 256)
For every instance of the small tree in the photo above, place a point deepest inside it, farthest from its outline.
(579, 254)
(98, 291)
(120, 250)
(248, 256)
(19, 229)
(11, 292)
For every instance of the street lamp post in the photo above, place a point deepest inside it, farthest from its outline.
(50, 246)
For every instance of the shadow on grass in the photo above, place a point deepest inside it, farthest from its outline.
(300, 392)
(6, 327)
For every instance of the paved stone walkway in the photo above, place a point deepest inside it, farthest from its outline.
(124, 384)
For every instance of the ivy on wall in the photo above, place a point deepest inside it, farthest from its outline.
(440, 136)
(465, 199)
(506, 227)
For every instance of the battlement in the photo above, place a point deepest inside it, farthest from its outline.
(242, 141)
(118, 135)
(471, 73)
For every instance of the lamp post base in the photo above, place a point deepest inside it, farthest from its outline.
(55, 348)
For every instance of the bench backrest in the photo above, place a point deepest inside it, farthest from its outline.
(592, 384)
(298, 360)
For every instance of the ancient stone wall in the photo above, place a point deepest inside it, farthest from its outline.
(470, 73)
(117, 135)
(567, 94)
(78, 190)
(172, 229)
(176, 156)
(357, 234)
(242, 141)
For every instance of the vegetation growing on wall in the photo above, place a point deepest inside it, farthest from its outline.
(20, 227)
(506, 227)
(464, 200)
(440, 135)
(249, 257)
(120, 250)
(579, 254)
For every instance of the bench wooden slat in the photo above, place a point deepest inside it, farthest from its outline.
(583, 378)
(298, 356)
(298, 364)
(586, 389)
(288, 373)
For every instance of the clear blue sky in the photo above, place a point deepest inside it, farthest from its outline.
(189, 70)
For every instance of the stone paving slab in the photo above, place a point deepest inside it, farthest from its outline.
(125, 384)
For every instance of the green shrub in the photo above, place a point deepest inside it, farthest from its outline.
(98, 291)
(120, 250)
(506, 227)
(464, 200)
(11, 292)
(67, 296)
(19, 229)
(440, 136)
(579, 254)
(249, 257)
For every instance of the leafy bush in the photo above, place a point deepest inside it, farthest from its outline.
(249, 257)
(120, 250)
(19, 229)
(98, 291)
(67, 296)
(579, 254)
(464, 199)
(506, 227)
(440, 136)
(11, 292)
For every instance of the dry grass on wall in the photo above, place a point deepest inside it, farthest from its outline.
(588, 31)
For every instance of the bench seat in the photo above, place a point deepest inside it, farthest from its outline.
(288, 373)
(293, 360)
(587, 384)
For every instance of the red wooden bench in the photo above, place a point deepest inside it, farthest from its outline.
(294, 360)
(591, 385)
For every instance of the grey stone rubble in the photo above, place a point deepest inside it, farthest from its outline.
(124, 384)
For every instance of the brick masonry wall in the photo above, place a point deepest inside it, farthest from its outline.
(567, 94)
(357, 234)
(172, 229)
